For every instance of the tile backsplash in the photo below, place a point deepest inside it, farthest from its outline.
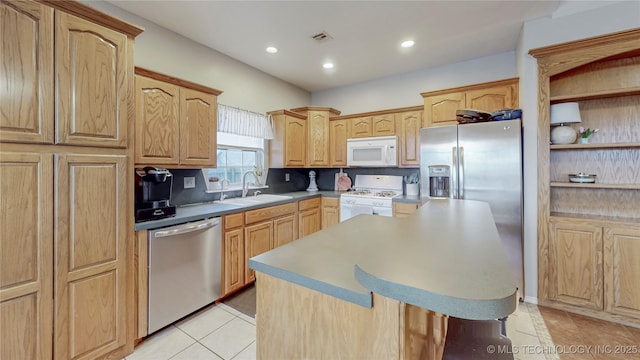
(298, 181)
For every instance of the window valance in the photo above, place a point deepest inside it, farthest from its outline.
(243, 122)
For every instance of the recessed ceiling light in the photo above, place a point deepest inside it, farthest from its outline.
(407, 43)
(327, 65)
(272, 50)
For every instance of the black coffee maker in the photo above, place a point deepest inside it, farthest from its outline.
(153, 194)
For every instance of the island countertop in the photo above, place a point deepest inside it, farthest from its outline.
(446, 257)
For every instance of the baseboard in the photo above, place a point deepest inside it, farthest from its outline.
(531, 300)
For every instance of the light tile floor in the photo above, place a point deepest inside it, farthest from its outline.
(221, 332)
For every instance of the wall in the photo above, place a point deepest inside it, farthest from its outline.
(244, 87)
(404, 90)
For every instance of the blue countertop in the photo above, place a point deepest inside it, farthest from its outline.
(446, 257)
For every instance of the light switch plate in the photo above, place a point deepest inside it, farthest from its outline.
(189, 182)
(286, 177)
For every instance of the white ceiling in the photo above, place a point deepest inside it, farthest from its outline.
(366, 34)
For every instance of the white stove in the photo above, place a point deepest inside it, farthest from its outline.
(373, 195)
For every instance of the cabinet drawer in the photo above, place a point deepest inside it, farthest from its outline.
(267, 213)
(330, 201)
(232, 221)
(309, 204)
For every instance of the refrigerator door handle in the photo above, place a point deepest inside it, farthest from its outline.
(454, 172)
(461, 170)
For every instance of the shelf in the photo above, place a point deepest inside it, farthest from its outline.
(596, 146)
(612, 219)
(595, 95)
(596, 186)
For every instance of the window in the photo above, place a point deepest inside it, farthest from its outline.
(236, 155)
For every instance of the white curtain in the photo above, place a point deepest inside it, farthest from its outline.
(243, 122)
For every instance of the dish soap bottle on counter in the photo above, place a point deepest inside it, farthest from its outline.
(312, 181)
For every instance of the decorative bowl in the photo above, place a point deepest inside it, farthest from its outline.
(582, 178)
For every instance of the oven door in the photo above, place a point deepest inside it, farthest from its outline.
(348, 211)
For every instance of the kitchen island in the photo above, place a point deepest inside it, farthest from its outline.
(380, 287)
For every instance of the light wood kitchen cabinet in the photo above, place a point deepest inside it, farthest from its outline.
(317, 135)
(440, 106)
(288, 148)
(27, 67)
(575, 254)
(26, 255)
(233, 276)
(384, 125)
(73, 285)
(408, 126)
(309, 216)
(176, 121)
(601, 75)
(267, 228)
(402, 210)
(330, 211)
(622, 271)
(361, 127)
(285, 230)
(338, 134)
(90, 255)
(259, 239)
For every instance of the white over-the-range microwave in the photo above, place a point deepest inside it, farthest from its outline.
(372, 151)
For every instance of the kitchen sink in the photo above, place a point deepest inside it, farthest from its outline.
(255, 200)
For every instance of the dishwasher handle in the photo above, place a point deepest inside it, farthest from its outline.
(188, 228)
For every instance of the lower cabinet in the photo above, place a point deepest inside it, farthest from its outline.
(233, 274)
(285, 230)
(404, 209)
(258, 240)
(309, 216)
(595, 266)
(330, 211)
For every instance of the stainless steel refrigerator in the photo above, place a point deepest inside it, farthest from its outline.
(483, 161)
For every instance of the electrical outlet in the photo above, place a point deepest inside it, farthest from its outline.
(287, 177)
(189, 182)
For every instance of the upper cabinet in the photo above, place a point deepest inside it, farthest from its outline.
(440, 106)
(317, 134)
(338, 134)
(384, 125)
(90, 64)
(288, 148)
(26, 73)
(602, 75)
(408, 124)
(176, 121)
(361, 127)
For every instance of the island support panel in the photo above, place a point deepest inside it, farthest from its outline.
(294, 322)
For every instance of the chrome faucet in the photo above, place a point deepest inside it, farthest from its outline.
(222, 194)
(256, 193)
(245, 185)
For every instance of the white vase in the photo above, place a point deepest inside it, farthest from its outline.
(584, 140)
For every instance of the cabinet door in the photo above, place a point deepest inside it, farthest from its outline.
(384, 125)
(93, 83)
(338, 134)
(26, 255)
(330, 212)
(284, 230)
(362, 127)
(309, 221)
(318, 140)
(198, 128)
(493, 98)
(408, 125)
(402, 210)
(157, 122)
(575, 256)
(90, 313)
(295, 144)
(233, 252)
(622, 271)
(258, 239)
(26, 72)
(441, 109)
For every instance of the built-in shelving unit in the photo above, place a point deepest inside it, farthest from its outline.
(589, 233)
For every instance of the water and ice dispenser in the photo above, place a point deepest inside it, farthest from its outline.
(439, 176)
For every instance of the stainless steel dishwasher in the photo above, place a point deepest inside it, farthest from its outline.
(185, 266)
